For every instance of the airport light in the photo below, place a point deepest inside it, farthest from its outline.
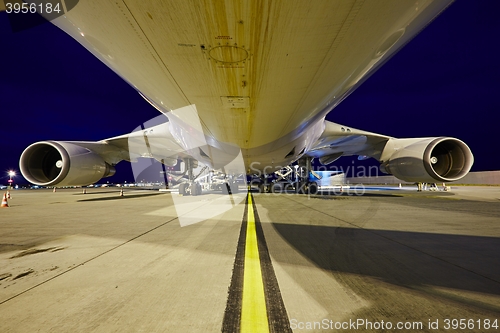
(11, 174)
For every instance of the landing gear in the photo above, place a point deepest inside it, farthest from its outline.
(227, 184)
(299, 177)
(313, 188)
(191, 187)
(264, 188)
(182, 188)
(195, 189)
(264, 185)
(305, 185)
(307, 188)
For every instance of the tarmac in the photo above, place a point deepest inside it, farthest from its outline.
(351, 261)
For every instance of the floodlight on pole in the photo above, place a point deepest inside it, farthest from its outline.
(11, 174)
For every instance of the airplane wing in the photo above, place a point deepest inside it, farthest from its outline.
(441, 159)
(153, 142)
(247, 88)
(68, 163)
(338, 140)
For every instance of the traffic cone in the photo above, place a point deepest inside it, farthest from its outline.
(121, 193)
(54, 189)
(4, 201)
(84, 191)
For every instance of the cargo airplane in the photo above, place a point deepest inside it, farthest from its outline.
(245, 87)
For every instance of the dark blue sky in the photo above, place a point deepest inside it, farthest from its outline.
(443, 83)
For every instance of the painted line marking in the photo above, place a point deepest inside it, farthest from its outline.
(254, 283)
(253, 308)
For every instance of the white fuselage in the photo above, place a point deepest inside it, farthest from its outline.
(261, 75)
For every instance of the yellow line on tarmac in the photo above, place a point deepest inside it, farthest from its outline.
(253, 307)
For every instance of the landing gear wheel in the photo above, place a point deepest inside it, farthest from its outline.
(195, 189)
(302, 188)
(308, 188)
(288, 188)
(264, 188)
(313, 188)
(182, 188)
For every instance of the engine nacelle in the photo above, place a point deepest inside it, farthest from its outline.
(51, 163)
(427, 160)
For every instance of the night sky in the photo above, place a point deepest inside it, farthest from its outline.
(445, 82)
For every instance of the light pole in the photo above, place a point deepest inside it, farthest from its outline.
(11, 174)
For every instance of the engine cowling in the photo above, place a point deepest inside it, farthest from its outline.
(440, 159)
(57, 163)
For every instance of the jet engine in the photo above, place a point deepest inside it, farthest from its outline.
(440, 159)
(51, 163)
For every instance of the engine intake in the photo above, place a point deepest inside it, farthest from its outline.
(428, 160)
(50, 163)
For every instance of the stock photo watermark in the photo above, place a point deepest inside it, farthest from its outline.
(363, 324)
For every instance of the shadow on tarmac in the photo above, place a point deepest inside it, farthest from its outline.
(406, 259)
